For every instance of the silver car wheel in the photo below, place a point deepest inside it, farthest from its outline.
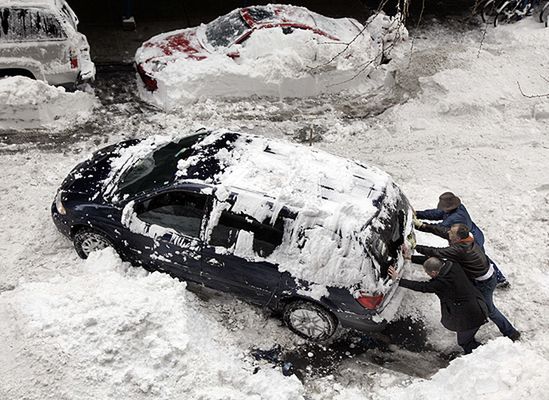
(93, 242)
(309, 322)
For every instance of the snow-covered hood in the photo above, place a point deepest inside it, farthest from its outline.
(88, 176)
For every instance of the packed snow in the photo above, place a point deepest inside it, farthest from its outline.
(273, 63)
(98, 329)
(29, 104)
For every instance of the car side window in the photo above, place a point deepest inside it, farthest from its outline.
(19, 24)
(266, 236)
(178, 210)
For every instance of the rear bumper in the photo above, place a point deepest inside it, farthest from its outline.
(363, 323)
(376, 320)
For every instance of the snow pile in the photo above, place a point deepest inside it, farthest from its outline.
(499, 370)
(123, 333)
(27, 103)
(271, 62)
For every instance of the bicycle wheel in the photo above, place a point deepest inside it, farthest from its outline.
(544, 14)
(504, 12)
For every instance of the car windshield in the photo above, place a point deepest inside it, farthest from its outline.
(224, 30)
(157, 168)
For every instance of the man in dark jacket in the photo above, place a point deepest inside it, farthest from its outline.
(469, 255)
(461, 305)
(450, 211)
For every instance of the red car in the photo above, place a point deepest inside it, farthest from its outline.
(225, 34)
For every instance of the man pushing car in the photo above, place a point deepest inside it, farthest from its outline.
(464, 250)
(462, 307)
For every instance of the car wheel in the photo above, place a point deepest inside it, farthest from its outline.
(309, 320)
(88, 240)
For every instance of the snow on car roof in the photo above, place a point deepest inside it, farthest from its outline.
(343, 28)
(292, 174)
(334, 200)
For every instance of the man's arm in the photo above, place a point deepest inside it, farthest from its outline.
(449, 253)
(431, 286)
(435, 229)
(432, 215)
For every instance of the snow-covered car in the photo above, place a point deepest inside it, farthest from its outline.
(273, 50)
(282, 226)
(39, 39)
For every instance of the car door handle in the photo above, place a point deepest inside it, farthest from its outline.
(214, 262)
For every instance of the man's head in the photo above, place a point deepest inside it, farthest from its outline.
(458, 232)
(448, 202)
(432, 266)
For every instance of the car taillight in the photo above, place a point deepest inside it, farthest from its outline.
(149, 82)
(369, 302)
(73, 57)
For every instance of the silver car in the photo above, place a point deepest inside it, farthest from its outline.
(39, 39)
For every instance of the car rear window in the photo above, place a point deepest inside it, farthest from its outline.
(260, 14)
(18, 24)
(388, 235)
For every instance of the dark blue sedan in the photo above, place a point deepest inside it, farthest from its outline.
(299, 231)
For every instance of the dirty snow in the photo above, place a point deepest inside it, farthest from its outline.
(493, 153)
(27, 103)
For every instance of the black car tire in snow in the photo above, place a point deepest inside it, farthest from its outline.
(309, 320)
(87, 240)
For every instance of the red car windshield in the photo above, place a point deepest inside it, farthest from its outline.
(224, 30)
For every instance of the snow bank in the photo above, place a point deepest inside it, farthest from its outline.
(27, 103)
(116, 332)
(499, 370)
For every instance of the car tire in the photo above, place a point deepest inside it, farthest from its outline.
(309, 320)
(87, 240)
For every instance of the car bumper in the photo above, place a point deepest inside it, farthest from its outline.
(360, 322)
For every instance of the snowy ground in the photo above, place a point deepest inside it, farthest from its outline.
(455, 120)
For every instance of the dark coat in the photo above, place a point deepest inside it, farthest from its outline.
(461, 304)
(466, 252)
(457, 216)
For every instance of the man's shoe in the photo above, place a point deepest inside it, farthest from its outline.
(514, 336)
(503, 285)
